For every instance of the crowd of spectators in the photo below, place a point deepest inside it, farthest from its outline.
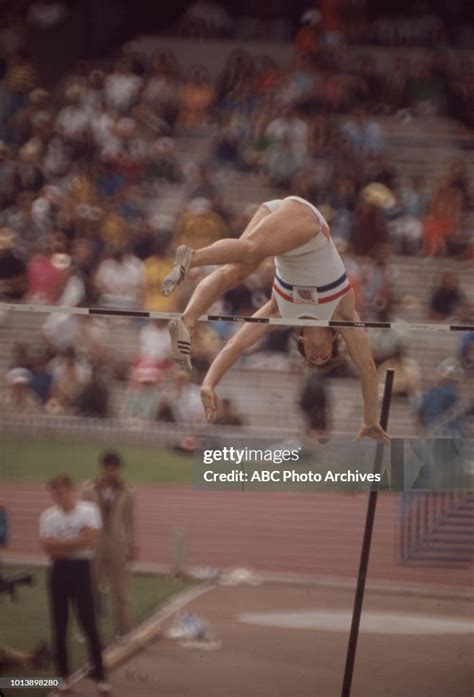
(333, 22)
(85, 168)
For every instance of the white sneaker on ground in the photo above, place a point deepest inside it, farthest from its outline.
(180, 344)
(104, 688)
(177, 274)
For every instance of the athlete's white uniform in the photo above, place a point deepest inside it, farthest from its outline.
(311, 279)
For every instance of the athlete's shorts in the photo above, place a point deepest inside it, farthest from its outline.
(317, 302)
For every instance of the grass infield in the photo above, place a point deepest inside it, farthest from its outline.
(40, 460)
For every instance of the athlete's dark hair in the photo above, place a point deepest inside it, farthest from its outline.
(335, 361)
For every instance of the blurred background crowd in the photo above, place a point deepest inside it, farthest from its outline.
(111, 158)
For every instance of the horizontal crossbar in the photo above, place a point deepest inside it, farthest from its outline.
(276, 321)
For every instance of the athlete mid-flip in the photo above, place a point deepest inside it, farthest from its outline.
(310, 283)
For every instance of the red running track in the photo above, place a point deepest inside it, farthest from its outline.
(317, 534)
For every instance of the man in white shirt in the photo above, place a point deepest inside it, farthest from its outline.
(68, 533)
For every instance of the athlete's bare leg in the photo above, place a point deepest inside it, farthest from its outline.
(267, 235)
(214, 286)
(291, 226)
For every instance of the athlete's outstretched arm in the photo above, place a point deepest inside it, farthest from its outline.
(358, 345)
(247, 336)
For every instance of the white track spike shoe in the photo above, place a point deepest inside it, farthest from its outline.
(180, 344)
(177, 274)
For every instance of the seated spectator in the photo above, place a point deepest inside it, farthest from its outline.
(369, 229)
(466, 351)
(21, 77)
(12, 268)
(21, 357)
(45, 209)
(406, 230)
(160, 93)
(289, 142)
(154, 344)
(70, 375)
(253, 143)
(459, 180)
(122, 87)
(195, 99)
(93, 400)
(181, 402)
(93, 94)
(61, 330)
(438, 403)
(333, 22)
(308, 36)
(199, 226)
(35, 118)
(342, 195)
(41, 378)
(45, 278)
(364, 134)
(120, 281)
(149, 371)
(227, 140)
(268, 76)
(204, 185)
(447, 297)
(143, 396)
(29, 173)
(73, 120)
(379, 286)
(8, 174)
(125, 150)
(163, 163)
(395, 89)
(239, 66)
(112, 226)
(427, 92)
(442, 220)
(367, 84)
(18, 398)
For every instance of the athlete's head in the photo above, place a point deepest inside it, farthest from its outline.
(319, 345)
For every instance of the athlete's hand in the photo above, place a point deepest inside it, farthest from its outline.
(374, 431)
(210, 402)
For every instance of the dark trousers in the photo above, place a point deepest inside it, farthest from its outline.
(70, 581)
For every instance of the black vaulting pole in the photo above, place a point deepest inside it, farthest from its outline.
(366, 543)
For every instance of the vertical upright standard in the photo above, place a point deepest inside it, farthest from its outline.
(366, 544)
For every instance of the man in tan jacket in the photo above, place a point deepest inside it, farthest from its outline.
(116, 546)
